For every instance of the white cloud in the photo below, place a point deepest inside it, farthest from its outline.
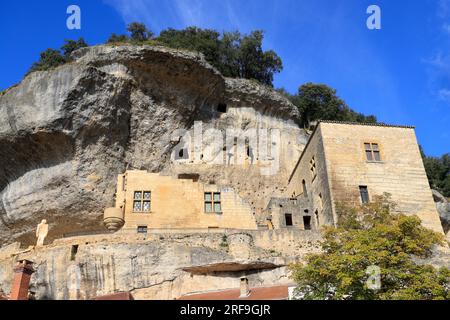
(439, 61)
(446, 28)
(177, 13)
(444, 94)
(444, 8)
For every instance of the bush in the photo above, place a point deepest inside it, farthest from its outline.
(52, 58)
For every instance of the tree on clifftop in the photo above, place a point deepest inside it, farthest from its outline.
(139, 32)
(373, 236)
(72, 45)
(49, 58)
(233, 54)
(52, 58)
(319, 101)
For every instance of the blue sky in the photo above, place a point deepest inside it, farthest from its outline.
(400, 73)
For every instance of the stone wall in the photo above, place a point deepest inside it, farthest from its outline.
(317, 185)
(400, 171)
(180, 204)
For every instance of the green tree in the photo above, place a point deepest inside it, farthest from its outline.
(254, 63)
(50, 58)
(319, 101)
(205, 41)
(233, 54)
(438, 172)
(139, 32)
(72, 45)
(373, 236)
(114, 38)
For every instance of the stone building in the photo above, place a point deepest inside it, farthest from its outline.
(152, 201)
(346, 163)
(351, 163)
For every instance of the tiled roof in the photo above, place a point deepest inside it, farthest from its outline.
(116, 296)
(263, 293)
(379, 124)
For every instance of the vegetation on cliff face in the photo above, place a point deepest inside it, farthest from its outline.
(438, 172)
(373, 236)
(52, 58)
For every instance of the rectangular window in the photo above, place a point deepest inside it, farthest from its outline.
(142, 201)
(372, 151)
(307, 222)
(288, 220)
(364, 192)
(142, 229)
(213, 202)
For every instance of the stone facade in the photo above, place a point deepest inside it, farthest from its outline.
(343, 170)
(153, 201)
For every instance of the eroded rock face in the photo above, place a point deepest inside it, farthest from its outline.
(443, 208)
(65, 134)
(158, 266)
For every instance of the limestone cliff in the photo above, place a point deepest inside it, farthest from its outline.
(443, 208)
(158, 266)
(66, 133)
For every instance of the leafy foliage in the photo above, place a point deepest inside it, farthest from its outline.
(114, 38)
(373, 236)
(233, 54)
(139, 32)
(52, 58)
(438, 172)
(319, 101)
(72, 45)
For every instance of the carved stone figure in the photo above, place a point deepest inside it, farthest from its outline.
(41, 232)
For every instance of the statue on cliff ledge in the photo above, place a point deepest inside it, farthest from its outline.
(41, 232)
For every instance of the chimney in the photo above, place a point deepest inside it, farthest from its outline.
(245, 290)
(21, 283)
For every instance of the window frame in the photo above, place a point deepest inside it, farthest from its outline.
(364, 190)
(372, 149)
(212, 202)
(142, 201)
(140, 230)
(291, 218)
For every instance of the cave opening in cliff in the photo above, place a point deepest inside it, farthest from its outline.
(222, 108)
